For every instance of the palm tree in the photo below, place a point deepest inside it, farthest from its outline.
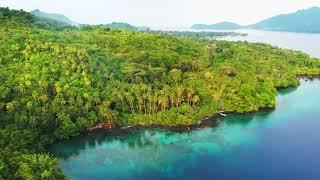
(179, 92)
(154, 102)
(130, 100)
(140, 104)
(190, 93)
(172, 96)
(195, 100)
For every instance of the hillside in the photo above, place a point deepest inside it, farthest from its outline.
(55, 83)
(307, 21)
(19, 18)
(53, 16)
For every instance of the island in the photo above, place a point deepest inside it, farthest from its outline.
(306, 21)
(221, 25)
(57, 81)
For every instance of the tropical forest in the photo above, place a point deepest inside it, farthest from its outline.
(57, 81)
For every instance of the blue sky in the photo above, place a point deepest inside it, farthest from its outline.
(163, 12)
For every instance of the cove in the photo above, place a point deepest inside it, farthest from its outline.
(279, 144)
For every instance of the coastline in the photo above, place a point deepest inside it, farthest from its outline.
(205, 122)
(202, 123)
(212, 121)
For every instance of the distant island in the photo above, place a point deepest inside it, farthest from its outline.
(125, 26)
(307, 21)
(222, 25)
(300, 21)
(197, 35)
(120, 25)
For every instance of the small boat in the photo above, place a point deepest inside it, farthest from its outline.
(126, 127)
(223, 114)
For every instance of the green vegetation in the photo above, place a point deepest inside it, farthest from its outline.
(56, 81)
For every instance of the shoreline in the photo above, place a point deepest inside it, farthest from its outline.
(212, 121)
(202, 123)
(205, 122)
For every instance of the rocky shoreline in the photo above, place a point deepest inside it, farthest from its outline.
(205, 122)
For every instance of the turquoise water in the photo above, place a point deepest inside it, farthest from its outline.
(280, 144)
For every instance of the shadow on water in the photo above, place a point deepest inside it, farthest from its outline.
(133, 139)
(286, 91)
(138, 139)
(246, 119)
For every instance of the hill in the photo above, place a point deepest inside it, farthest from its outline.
(301, 21)
(125, 26)
(53, 16)
(11, 18)
(120, 25)
(219, 26)
(307, 21)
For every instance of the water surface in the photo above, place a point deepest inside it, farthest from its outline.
(308, 43)
(281, 144)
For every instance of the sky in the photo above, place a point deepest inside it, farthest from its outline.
(163, 12)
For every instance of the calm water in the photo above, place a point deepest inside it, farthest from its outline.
(308, 43)
(282, 144)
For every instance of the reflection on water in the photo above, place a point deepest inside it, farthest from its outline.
(277, 142)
